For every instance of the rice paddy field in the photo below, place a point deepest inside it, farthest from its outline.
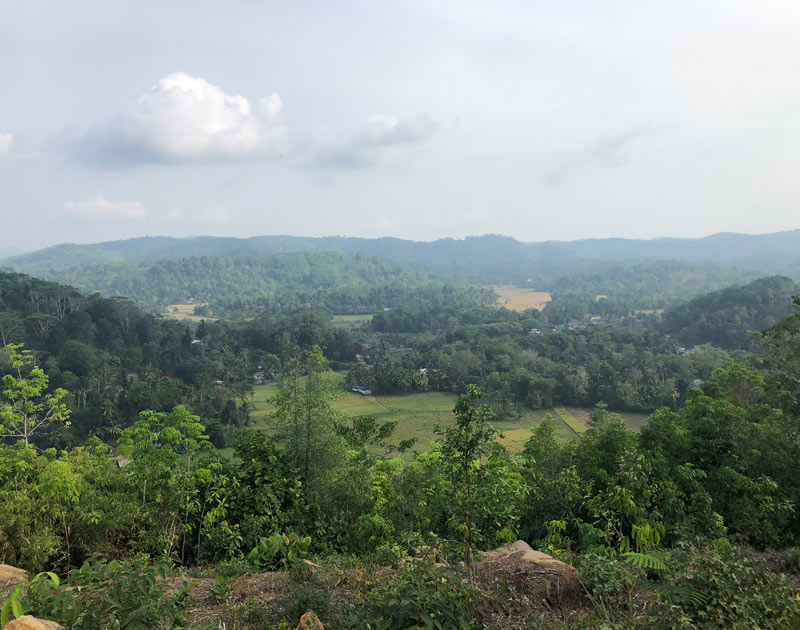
(517, 299)
(417, 415)
(185, 311)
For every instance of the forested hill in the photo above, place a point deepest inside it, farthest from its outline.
(727, 317)
(488, 255)
(225, 279)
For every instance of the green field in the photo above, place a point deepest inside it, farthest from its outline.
(417, 414)
(351, 321)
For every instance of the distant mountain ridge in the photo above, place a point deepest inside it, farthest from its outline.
(774, 252)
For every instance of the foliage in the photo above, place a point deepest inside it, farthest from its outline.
(26, 407)
(107, 595)
(715, 585)
(464, 443)
(423, 596)
(280, 551)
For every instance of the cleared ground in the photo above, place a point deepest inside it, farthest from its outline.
(417, 415)
(516, 299)
(185, 311)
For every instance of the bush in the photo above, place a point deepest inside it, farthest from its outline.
(114, 595)
(603, 576)
(423, 596)
(715, 585)
(279, 551)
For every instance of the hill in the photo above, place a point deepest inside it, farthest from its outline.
(488, 255)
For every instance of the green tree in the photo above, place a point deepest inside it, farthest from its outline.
(304, 410)
(25, 405)
(465, 442)
(164, 448)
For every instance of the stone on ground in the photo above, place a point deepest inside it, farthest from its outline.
(26, 622)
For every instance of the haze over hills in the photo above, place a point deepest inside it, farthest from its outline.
(775, 252)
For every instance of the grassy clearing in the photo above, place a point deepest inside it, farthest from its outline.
(417, 415)
(351, 321)
(570, 420)
(516, 299)
(185, 311)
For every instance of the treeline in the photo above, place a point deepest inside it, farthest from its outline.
(636, 362)
(116, 359)
(234, 285)
(728, 317)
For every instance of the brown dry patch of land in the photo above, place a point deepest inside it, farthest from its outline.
(185, 311)
(517, 299)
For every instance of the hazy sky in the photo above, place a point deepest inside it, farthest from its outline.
(417, 119)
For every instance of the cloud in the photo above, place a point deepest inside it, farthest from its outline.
(607, 151)
(101, 208)
(187, 119)
(381, 138)
(5, 142)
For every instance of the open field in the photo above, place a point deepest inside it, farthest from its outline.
(185, 311)
(516, 299)
(351, 321)
(417, 415)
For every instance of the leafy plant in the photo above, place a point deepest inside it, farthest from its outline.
(13, 602)
(128, 596)
(423, 596)
(715, 585)
(280, 551)
(220, 589)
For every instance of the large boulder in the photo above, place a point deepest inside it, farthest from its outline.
(11, 576)
(526, 578)
(26, 622)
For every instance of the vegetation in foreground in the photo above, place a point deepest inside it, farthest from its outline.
(668, 528)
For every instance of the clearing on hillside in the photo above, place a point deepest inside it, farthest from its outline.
(351, 321)
(517, 299)
(186, 311)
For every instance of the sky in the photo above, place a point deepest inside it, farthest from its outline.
(415, 119)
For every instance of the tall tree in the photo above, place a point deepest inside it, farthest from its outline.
(26, 407)
(465, 442)
(304, 409)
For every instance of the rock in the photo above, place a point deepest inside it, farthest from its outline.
(310, 621)
(11, 576)
(26, 622)
(529, 577)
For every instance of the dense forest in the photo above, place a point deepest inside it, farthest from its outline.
(130, 456)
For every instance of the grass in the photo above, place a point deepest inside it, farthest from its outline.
(351, 321)
(517, 299)
(185, 311)
(417, 415)
(570, 421)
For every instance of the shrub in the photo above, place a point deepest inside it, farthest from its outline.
(113, 595)
(423, 596)
(715, 585)
(279, 551)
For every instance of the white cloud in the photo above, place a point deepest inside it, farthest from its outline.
(5, 142)
(186, 118)
(101, 208)
(381, 138)
(175, 214)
